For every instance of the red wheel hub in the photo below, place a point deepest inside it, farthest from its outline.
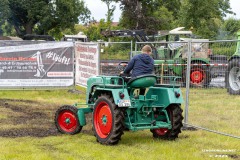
(67, 121)
(103, 120)
(196, 76)
(161, 131)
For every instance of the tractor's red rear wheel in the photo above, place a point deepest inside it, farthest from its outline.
(197, 76)
(175, 116)
(161, 131)
(108, 121)
(66, 120)
(200, 76)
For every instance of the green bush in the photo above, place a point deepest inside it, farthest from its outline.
(116, 51)
(224, 48)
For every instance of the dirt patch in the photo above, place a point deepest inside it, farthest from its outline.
(32, 132)
(88, 129)
(75, 91)
(30, 118)
(234, 156)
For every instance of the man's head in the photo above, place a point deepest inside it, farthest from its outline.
(147, 49)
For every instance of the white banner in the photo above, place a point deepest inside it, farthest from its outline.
(36, 83)
(87, 62)
(40, 46)
(37, 65)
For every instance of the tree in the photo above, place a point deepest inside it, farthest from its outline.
(151, 15)
(93, 31)
(41, 16)
(203, 15)
(232, 26)
(4, 13)
(110, 10)
(229, 29)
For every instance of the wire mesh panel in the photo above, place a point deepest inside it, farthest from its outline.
(111, 54)
(210, 105)
(203, 68)
(168, 60)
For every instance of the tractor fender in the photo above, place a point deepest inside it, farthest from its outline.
(234, 57)
(166, 95)
(200, 60)
(115, 94)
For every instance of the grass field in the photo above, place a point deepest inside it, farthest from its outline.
(28, 131)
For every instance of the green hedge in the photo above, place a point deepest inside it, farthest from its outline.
(224, 48)
(116, 51)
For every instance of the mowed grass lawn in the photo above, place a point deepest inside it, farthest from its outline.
(220, 113)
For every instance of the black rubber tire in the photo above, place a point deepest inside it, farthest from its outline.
(208, 77)
(176, 117)
(205, 70)
(62, 114)
(117, 118)
(233, 66)
(218, 58)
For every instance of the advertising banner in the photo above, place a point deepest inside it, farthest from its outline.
(87, 62)
(37, 65)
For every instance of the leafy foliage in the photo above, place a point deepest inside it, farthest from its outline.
(224, 48)
(203, 16)
(4, 10)
(94, 29)
(111, 9)
(232, 26)
(229, 29)
(116, 51)
(149, 15)
(41, 16)
(4, 13)
(58, 17)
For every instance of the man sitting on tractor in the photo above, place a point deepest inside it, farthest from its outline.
(140, 64)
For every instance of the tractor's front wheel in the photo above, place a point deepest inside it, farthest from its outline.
(108, 121)
(175, 116)
(66, 120)
(233, 77)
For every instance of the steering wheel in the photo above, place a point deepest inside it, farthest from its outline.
(122, 65)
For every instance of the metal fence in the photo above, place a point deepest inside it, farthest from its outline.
(111, 54)
(217, 110)
(202, 66)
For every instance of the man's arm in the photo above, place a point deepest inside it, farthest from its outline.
(129, 66)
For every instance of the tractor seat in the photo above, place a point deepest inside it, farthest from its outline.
(142, 81)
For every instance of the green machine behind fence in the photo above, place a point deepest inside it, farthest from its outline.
(117, 106)
(173, 56)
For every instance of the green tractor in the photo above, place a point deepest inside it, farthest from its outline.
(117, 106)
(232, 78)
(172, 57)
